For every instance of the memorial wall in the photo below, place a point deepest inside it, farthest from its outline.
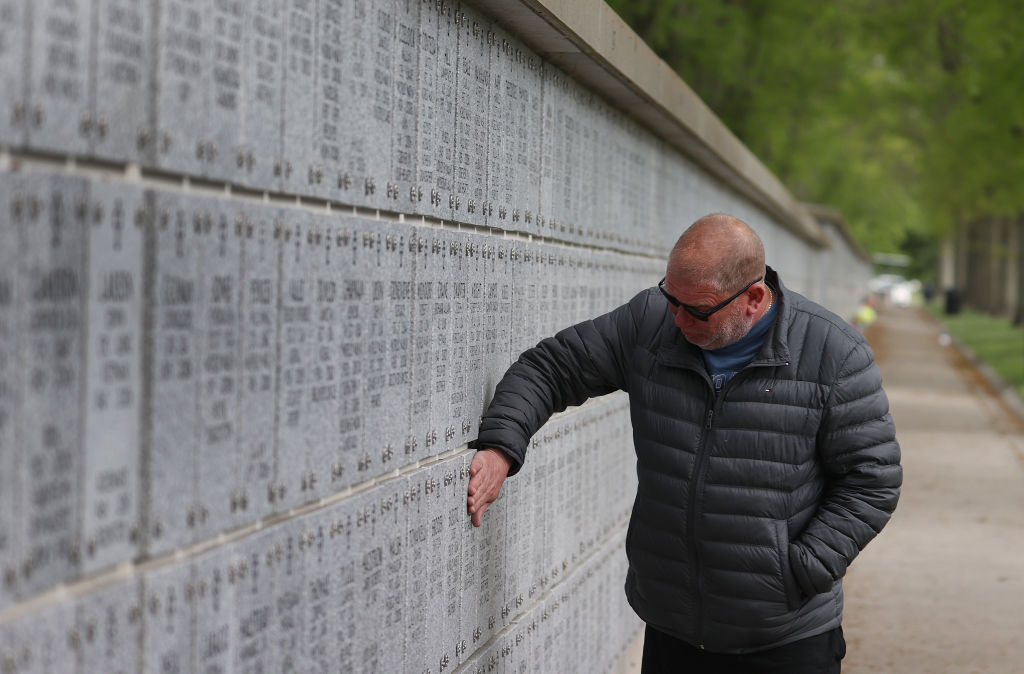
(261, 265)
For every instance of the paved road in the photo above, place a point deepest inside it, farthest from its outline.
(942, 589)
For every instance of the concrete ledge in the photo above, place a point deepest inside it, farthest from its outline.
(592, 43)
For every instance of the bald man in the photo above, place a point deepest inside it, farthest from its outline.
(766, 455)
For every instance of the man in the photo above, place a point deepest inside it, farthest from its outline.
(766, 456)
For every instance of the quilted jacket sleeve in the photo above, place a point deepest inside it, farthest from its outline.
(857, 446)
(581, 361)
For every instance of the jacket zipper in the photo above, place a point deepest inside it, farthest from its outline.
(717, 397)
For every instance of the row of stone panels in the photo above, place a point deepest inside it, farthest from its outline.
(175, 365)
(391, 579)
(419, 107)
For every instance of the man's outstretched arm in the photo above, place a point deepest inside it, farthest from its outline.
(487, 473)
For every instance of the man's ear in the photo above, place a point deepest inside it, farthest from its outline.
(758, 298)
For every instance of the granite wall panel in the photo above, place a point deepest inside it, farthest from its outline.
(10, 388)
(262, 265)
(111, 489)
(14, 116)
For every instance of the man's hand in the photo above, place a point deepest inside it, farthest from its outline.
(486, 474)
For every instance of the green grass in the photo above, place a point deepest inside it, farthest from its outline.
(994, 340)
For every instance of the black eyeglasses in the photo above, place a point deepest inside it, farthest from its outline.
(700, 314)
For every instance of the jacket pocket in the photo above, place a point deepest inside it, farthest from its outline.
(794, 597)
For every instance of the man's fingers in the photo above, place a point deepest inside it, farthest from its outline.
(479, 517)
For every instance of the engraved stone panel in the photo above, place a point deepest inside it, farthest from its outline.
(405, 105)
(428, 102)
(478, 274)
(176, 323)
(108, 628)
(219, 281)
(213, 599)
(14, 116)
(437, 121)
(464, 261)
(288, 564)
(113, 376)
(483, 574)
(419, 630)
(297, 355)
(388, 348)
(333, 37)
(523, 312)
(227, 21)
(472, 89)
(365, 85)
(254, 605)
(392, 523)
(299, 162)
(120, 120)
(44, 640)
(368, 546)
(182, 72)
(497, 317)
(422, 343)
(11, 374)
(358, 460)
(340, 555)
(53, 280)
(258, 156)
(168, 618)
(317, 598)
(431, 350)
(325, 380)
(59, 115)
(500, 168)
(257, 349)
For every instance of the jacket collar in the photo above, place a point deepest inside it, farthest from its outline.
(674, 350)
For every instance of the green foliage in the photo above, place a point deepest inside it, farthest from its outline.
(993, 339)
(904, 114)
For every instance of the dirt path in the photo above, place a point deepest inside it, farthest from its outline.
(942, 589)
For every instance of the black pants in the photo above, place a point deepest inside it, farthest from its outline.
(821, 654)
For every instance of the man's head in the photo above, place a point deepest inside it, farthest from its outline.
(712, 261)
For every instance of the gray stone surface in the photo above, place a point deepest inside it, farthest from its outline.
(335, 117)
(58, 75)
(220, 249)
(299, 162)
(111, 489)
(472, 90)
(108, 628)
(438, 139)
(14, 114)
(255, 602)
(214, 605)
(175, 375)
(52, 272)
(289, 571)
(388, 345)
(329, 389)
(10, 390)
(259, 149)
(182, 91)
(257, 353)
(121, 114)
(406, 90)
(168, 618)
(225, 128)
(45, 641)
(297, 355)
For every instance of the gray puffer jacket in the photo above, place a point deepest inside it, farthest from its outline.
(751, 503)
